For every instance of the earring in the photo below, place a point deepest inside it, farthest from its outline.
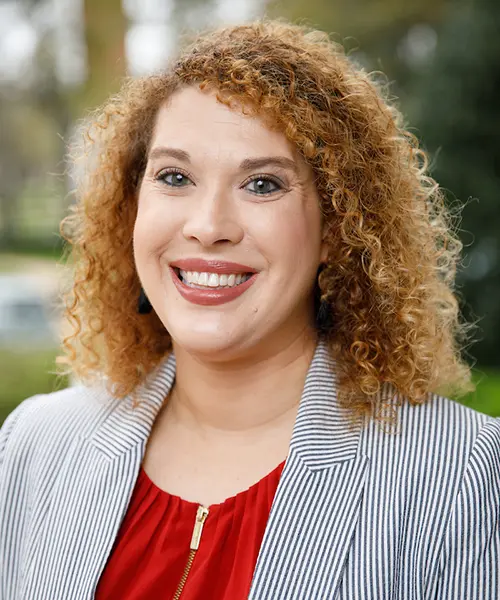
(324, 320)
(323, 310)
(143, 305)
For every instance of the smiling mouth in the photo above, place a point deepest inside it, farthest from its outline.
(211, 281)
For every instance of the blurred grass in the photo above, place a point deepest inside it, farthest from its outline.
(25, 374)
(26, 259)
(486, 398)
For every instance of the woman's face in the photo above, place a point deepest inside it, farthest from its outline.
(223, 187)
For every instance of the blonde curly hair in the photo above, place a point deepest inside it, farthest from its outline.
(389, 280)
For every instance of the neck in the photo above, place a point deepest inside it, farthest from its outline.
(245, 396)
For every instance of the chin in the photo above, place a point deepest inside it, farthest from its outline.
(214, 344)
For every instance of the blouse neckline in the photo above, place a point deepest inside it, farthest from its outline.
(228, 501)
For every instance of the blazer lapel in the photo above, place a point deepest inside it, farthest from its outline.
(88, 502)
(318, 499)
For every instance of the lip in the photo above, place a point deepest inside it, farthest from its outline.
(210, 296)
(211, 266)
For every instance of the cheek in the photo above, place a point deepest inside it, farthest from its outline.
(292, 233)
(144, 235)
(154, 226)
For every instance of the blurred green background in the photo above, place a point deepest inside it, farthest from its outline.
(60, 58)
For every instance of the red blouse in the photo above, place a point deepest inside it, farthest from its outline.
(153, 545)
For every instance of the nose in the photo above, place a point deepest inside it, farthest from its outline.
(213, 219)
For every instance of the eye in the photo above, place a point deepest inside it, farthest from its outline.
(173, 178)
(263, 185)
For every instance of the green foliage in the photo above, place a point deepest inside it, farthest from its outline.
(486, 398)
(28, 254)
(370, 30)
(459, 123)
(367, 20)
(24, 374)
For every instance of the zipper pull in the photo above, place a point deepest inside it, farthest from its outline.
(201, 515)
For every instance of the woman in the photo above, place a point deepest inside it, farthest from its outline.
(263, 315)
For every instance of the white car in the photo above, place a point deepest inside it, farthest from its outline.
(27, 314)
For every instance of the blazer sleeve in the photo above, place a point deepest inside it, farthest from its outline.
(12, 488)
(5, 435)
(470, 555)
(7, 430)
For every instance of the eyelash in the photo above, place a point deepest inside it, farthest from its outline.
(262, 176)
(162, 174)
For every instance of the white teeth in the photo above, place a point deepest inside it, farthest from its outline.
(213, 280)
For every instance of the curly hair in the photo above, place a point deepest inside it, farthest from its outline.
(388, 284)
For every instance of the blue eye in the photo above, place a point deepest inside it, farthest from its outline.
(264, 185)
(174, 178)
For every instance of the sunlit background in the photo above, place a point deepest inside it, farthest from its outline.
(61, 58)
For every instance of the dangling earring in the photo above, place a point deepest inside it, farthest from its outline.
(324, 320)
(143, 305)
(323, 309)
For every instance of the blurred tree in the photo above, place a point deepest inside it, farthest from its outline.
(11, 176)
(105, 26)
(459, 121)
(372, 31)
(44, 97)
(28, 151)
(366, 19)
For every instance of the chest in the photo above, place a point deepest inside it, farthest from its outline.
(209, 469)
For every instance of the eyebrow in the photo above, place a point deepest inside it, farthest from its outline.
(160, 151)
(278, 161)
(246, 165)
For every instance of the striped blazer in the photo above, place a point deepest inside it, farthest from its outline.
(359, 514)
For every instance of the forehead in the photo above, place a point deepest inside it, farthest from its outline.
(196, 121)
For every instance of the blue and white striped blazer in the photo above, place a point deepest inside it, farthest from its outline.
(359, 514)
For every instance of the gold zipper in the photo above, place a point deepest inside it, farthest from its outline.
(201, 515)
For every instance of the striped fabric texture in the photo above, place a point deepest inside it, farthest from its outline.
(359, 514)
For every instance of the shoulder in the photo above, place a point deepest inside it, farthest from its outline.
(440, 475)
(448, 420)
(445, 425)
(467, 450)
(434, 446)
(438, 425)
(45, 423)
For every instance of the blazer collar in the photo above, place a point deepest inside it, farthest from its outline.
(321, 434)
(318, 500)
